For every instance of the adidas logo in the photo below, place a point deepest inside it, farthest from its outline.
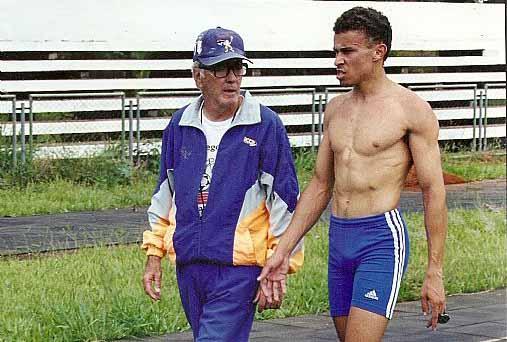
(371, 295)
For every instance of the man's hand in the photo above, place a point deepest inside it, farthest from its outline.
(153, 274)
(273, 279)
(262, 303)
(433, 297)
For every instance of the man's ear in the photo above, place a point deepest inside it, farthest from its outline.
(196, 73)
(380, 52)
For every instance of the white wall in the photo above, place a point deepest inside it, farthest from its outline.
(27, 25)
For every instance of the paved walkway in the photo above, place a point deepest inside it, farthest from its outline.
(19, 235)
(475, 317)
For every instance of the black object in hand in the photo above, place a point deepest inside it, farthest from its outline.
(443, 318)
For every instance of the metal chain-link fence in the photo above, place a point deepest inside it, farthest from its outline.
(76, 125)
(461, 110)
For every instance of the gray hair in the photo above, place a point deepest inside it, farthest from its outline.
(195, 67)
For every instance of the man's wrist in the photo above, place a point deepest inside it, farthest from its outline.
(435, 271)
(154, 258)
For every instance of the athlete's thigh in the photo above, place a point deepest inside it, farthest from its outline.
(365, 326)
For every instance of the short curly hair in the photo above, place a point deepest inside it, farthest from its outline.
(371, 22)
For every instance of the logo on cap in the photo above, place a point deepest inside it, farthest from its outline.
(227, 44)
(198, 46)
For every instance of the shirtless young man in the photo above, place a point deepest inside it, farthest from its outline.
(372, 136)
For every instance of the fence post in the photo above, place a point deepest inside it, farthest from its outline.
(131, 132)
(313, 121)
(122, 135)
(22, 133)
(485, 144)
(14, 134)
(320, 119)
(480, 120)
(474, 118)
(138, 129)
(30, 127)
(326, 92)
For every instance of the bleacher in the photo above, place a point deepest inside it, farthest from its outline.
(114, 87)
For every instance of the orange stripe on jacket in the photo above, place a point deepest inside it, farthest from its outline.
(250, 238)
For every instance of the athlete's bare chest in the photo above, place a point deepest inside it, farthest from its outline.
(367, 131)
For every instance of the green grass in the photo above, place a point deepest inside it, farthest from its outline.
(95, 184)
(96, 293)
(62, 196)
(475, 166)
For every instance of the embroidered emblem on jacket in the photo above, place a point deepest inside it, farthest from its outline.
(250, 142)
(185, 154)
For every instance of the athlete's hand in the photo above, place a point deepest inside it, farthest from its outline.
(273, 279)
(433, 297)
(152, 278)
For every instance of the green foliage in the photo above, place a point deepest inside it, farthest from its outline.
(60, 196)
(96, 293)
(476, 166)
(6, 163)
(107, 169)
(55, 186)
(61, 185)
(304, 160)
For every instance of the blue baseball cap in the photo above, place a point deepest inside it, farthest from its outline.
(217, 45)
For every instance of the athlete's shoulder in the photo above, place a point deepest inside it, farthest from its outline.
(336, 104)
(339, 99)
(412, 102)
(418, 112)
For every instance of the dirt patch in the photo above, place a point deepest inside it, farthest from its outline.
(412, 183)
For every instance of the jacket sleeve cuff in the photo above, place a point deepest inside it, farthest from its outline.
(153, 244)
(152, 250)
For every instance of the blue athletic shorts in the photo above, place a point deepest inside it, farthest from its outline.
(218, 300)
(367, 259)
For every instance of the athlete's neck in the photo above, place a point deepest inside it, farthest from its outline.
(374, 84)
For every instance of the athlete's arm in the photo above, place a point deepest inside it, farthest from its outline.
(313, 200)
(423, 143)
(311, 204)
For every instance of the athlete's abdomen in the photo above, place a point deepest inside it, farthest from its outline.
(369, 184)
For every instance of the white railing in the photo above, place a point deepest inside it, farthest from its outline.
(129, 122)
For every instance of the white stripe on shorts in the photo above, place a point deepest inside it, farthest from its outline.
(399, 252)
(397, 218)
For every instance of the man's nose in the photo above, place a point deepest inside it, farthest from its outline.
(231, 76)
(338, 60)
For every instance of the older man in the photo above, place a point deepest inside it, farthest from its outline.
(226, 192)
